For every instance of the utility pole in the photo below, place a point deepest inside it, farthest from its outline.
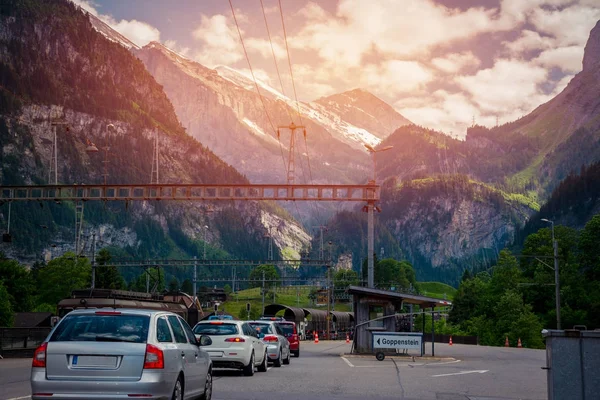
(195, 279)
(106, 148)
(147, 280)
(329, 293)
(321, 252)
(263, 293)
(328, 300)
(556, 274)
(291, 165)
(78, 225)
(204, 243)
(370, 245)
(154, 174)
(93, 260)
(54, 159)
(233, 279)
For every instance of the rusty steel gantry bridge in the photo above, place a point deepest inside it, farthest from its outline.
(369, 193)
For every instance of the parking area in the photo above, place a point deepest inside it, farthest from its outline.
(323, 372)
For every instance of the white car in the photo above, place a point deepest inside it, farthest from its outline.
(278, 347)
(234, 345)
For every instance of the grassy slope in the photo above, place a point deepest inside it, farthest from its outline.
(288, 296)
(436, 289)
(285, 296)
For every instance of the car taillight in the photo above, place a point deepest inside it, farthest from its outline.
(271, 339)
(108, 312)
(235, 340)
(294, 338)
(39, 356)
(154, 359)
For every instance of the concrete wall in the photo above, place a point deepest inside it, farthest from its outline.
(573, 362)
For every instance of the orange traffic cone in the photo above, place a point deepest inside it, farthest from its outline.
(316, 337)
(347, 338)
(506, 343)
(450, 341)
(519, 344)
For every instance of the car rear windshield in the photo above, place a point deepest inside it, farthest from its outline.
(261, 329)
(216, 329)
(288, 329)
(102, 328)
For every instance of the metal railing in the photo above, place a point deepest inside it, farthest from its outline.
(17, 340)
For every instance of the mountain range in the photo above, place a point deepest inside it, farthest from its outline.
(447, 204)
(56, 66)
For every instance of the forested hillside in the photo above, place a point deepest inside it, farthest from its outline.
(56, 67)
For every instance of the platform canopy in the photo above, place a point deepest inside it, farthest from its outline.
(290, 313)
(405, 298)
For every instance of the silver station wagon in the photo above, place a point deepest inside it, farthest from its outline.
(122, 354)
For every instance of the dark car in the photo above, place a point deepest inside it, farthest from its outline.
(290, 332)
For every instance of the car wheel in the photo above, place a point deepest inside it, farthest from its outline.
(287, 359)
(249, 369)
(263, 366)
(297, 353)
(277, 362)
(207, 395)
(178, 390)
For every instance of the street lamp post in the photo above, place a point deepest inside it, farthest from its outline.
(556, 275)
(372, 150)
(370, 223)
(204, 243)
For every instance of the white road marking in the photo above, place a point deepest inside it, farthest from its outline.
(348, 362)
(20, 398)
(445, 362)
(483, 371)
(269, 368)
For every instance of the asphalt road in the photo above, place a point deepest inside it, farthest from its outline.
(460, 373)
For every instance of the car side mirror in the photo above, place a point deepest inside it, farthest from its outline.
(203, 340)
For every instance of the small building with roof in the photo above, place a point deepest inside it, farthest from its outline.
(374, 310)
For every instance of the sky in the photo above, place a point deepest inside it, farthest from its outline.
(440, 63)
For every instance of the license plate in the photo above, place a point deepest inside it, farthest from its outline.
(213, 354)
(106, 362)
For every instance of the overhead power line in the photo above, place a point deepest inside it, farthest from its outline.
(290, 62)
(262, 100)
(275, 58)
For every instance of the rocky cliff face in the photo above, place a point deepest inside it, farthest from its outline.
(591, 56)
(222, 109)
(366, 111)
(443, 231)
(54, 64)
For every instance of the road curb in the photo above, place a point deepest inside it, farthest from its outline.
(409, 359)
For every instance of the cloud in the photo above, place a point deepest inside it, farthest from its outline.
(139, 32)
(510, 87)
(395, 76)
(455, 62)
(263, 47)
(220, 41)
(528, 41)
(451, 113)
(87, 5)
(173, 45)
(568, 59)
(570, 26)
(359, 28)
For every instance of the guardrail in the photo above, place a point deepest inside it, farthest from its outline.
(21, 342)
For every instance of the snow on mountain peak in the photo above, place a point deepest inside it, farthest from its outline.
(109, 33)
